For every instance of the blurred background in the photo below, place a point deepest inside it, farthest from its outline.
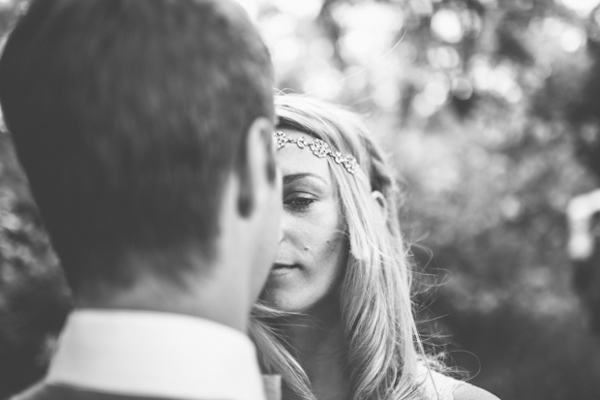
(490, 111)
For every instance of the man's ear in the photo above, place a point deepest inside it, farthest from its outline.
(381, 201)
(257, 171)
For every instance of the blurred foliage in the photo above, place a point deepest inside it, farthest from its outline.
(33, 295)
(490, 111)
(34, 298)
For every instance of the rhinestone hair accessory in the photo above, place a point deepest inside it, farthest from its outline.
(319, 148)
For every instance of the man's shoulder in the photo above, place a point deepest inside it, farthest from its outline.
(43, 391)
(34, 392)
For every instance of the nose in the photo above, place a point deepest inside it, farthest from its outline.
(281, 231)
(286, 225)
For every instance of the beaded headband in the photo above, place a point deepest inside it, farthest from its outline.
(319, 149)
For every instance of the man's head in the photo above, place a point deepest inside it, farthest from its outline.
(129, 117)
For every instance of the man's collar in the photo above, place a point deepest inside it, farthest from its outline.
(158, 354)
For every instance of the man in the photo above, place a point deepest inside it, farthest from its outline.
(145, 129)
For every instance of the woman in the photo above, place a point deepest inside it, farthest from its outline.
(335, 318)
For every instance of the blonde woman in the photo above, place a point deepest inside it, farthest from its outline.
(335, 319)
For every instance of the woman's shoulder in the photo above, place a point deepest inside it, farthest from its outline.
(442, 387)
(466, 391)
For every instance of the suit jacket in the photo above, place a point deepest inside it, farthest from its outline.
(43, 391)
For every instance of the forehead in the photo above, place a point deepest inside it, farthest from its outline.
(294, 160)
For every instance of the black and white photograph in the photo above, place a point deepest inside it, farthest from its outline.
(299, 199)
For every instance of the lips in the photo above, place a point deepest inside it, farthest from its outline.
(277, 266)
(283, 269)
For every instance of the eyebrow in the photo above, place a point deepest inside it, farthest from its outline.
(294, 177)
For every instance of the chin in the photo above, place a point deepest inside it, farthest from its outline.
(285, 301)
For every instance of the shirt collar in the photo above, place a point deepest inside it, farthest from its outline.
(157, 354)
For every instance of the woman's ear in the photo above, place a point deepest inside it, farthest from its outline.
(381, 201)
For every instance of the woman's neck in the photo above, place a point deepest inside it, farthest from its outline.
(318, 341)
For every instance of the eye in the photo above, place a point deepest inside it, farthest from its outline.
(298, 202)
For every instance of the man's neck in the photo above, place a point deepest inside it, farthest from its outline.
(210, 297)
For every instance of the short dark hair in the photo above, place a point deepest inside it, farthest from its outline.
(127, 116)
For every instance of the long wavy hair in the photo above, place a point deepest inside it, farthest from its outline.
(384, 351)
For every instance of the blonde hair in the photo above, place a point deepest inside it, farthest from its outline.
(384, 348)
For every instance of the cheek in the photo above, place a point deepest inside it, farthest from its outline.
(332, 251)
(320, 235)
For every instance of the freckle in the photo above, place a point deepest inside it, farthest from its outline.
(306, 248)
